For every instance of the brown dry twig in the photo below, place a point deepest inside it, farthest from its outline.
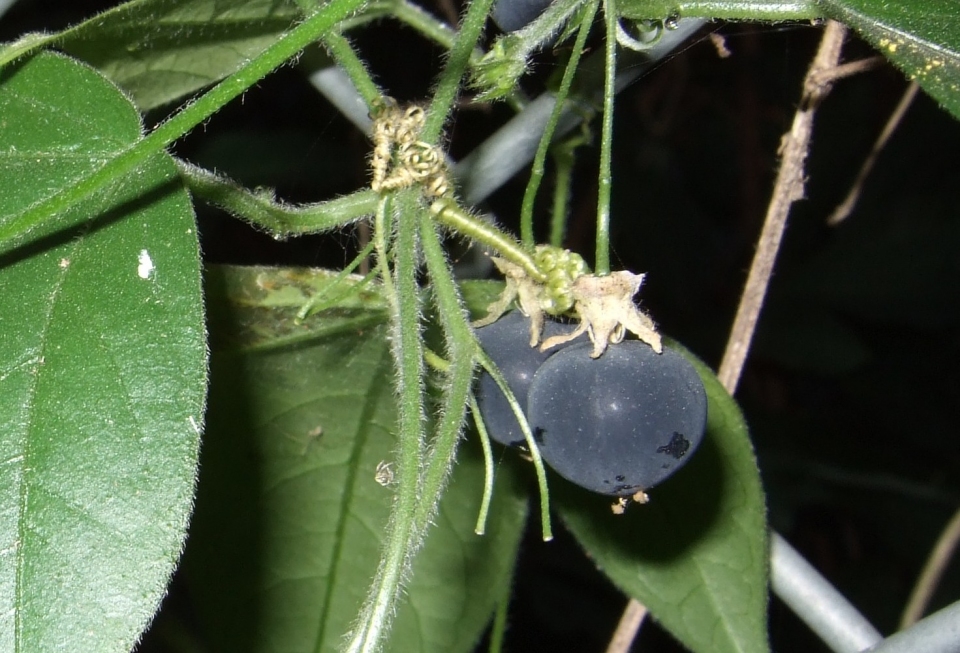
(788, 188)
(845, 208)
(932, 572)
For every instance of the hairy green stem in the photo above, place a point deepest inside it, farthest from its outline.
(605, 181)
(457, 61)
(343, 53)
(460, 345)
(759, 10)
(288, 45)
(542, 30)
(442, 34)
(261, 210)
(401, 538)
(491, 368)
(326, 298)
(450, 214)
(536, 173)
(488, 473)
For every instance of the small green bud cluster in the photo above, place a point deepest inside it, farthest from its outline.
(562, 268)
(497, 74)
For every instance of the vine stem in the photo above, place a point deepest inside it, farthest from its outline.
(457, 62)
(491, 368)
(181, 122)
(448, 213)
(604, 183)
(343, 53)
(488, 470)
(788, 188)
(279, 219)
(626, 631)
(460, 345)
(402, 536)
(537, 170)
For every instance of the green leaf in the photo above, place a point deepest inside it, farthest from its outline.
(290, 514)
(696, 555)
(102, 372)
(159, 51)
(922, 37)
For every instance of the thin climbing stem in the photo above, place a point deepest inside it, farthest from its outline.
(845, 208)
(630, 622)
(564, 157)
(537, 170)
(346, 57)
(327, 297)
(190, 115)
(605, 179)
(459, 58)
(491, 368)
(488, 472)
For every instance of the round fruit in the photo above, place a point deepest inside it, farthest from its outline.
(511, 15)
(620, 423)
(507, 342)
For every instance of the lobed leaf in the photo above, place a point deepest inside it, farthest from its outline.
(696, 555)
(102, 371)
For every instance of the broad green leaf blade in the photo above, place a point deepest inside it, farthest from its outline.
(102, 374)
(290, 512)
(696, 555)
(922, 37)
(159, 51)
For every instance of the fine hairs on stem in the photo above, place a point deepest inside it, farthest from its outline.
(401, 538)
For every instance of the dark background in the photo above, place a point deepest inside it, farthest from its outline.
(852, 389)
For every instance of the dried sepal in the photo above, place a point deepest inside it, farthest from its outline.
(520, 287)
(606, 310)
(604, 304)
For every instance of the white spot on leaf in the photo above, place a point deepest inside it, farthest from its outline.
(145, 265)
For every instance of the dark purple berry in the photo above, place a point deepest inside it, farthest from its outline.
(620, 423)
(507, 342)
